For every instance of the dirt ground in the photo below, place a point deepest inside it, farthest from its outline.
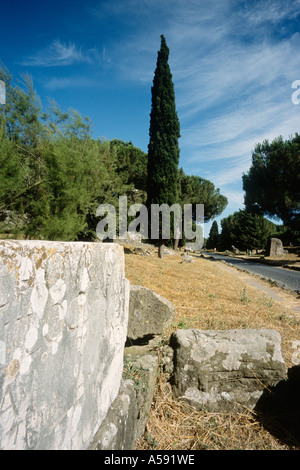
(210, 295)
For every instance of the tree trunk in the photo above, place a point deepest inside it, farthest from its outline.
(161, 250)
(176, 242)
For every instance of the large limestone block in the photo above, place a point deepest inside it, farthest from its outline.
(220, 370)
(275, 247)
(149, 313)
(63, 326)
(142, 366)
(127, 418)
(117, 432)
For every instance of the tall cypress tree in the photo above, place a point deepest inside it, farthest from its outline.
(163, 149)
(213, 238)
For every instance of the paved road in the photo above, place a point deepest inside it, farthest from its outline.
(283, 276)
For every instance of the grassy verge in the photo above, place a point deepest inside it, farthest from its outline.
(206, 296)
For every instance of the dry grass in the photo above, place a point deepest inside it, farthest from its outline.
(174, 425)
(208, 296)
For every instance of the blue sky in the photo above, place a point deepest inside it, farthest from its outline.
(233, 64)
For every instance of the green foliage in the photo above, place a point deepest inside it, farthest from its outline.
(163, 150)
(182, 324)
(20, 116)
(66, 124)
(213, 238)
(54, 175)
(195, 190)
(272, 184)
(74, 179)
(244, 297)
(245, 230)
(12, 174)
(60, 182)
(134, 371)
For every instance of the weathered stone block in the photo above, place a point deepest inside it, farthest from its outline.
(220, 370)
(63, 326)
(276, 247)
(187, 259)
(149, 313)
(117, 432)
(127, 418)
(143, 364)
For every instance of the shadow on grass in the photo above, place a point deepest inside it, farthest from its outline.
(278, 409)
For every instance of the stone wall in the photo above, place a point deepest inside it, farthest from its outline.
(63, 326)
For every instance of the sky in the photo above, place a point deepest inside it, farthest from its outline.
(233, 63)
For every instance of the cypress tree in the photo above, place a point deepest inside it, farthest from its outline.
(213, 238)
(163, 149)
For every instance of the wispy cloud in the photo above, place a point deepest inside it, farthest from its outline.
(59, 54)
(235, 197)
(60, 83)
(233, 63)
(271, 11)
(233, 86)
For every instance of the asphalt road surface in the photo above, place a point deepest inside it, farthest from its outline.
(284, 277)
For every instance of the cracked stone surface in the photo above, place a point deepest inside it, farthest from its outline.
(221, 370)
(63, 326)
